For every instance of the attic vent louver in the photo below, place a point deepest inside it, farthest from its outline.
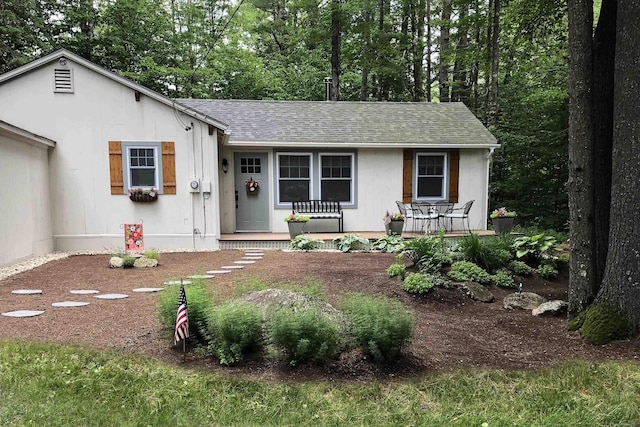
(63, 80)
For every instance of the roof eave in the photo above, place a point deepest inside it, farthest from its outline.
(25, 136)
(313, 144)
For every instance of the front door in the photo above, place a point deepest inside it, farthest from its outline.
(252, 207)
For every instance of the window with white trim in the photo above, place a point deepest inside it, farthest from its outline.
(430, 179)
(294, 177)
(142, 165)
(336, 177)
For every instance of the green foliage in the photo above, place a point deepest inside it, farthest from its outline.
(503, 279)
(602, 324)
(233, 328)
(128, 261)
(382, 327)
(491, 253)
(425, 252)
(350, 242)
(199, 303)
(310, 286)
(152, 254)
(465, 271)
(397, 269)
(418, 283)
(304, 334)
(305, 243)
(388, 243)
(563, 258)
(520, 268)
(547, 271)
(535, 246)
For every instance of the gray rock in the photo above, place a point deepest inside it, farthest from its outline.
(524, 300)
(115, 262)
(144, 262)
(552, 308)
(477, 292)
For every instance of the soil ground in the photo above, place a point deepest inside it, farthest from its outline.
(452, 331)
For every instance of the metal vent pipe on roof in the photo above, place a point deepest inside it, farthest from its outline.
(327, 88)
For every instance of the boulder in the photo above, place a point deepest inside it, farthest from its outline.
(552, 308)
(144, 262)
(524, 300)
(115, 262)
(477, 292)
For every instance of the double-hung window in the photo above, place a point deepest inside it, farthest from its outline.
(294, 177)
(142, 165)
(430, 180)
(336, 177)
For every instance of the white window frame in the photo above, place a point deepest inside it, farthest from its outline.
(277, 174)
(445, 175)
(127, 146)
(351, 201)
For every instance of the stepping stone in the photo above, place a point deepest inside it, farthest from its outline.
(111, 296)
(244, 262)
(148, 290)
(84, 291)
(232, 266)
(254, 254)
(69, 304)
(23, 313)
(201, 276)
(177, 282)
(26, 291)
(251, 257)
(218, 271)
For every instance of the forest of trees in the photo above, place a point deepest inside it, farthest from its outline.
(506, 60)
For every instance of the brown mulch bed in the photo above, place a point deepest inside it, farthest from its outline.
(452, 331)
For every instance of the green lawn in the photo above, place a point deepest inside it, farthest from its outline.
(47, 385)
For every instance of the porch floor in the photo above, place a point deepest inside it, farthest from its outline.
(267, 240)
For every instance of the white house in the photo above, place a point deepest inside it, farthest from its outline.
(75, 138)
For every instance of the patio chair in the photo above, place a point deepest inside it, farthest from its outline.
(443, 208)
(461, 213)
(426, 213)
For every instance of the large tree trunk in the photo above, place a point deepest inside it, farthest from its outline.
(366, 53)
(603, 69)
(581, 265)
(443, 70)
(428, 53)
(460, 89)
(417, 31)
(492, 113)
(335, 49)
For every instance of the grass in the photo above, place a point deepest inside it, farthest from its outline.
(46, 384)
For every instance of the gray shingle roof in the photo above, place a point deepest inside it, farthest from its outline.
(318, 123)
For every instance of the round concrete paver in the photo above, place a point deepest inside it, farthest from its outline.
(111, 296)
(27, 291)
(253, 254)
(148, 290)
(84, 291)
(177, 282)
(254, 258)
(232, 266)
(69, 304)
(244, 262)
(218, 271)
(23, 313)
(201, 276)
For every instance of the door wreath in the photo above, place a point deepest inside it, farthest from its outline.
(252, 186)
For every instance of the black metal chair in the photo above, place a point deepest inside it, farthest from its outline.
(461, 213)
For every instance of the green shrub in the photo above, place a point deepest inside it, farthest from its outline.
(389, 243)
(417, 283)
(304, 334)
(351, 242)
(397, 269)
(465, 271)
(199, 303)
(128, 261)
(152, 254)
(547, 271)
(534, 247)
(233, 328)
(491, 253)
(382, 327)
(563, 259)
(521, 268)
(426, 252)
(305, 243)
(503, 279)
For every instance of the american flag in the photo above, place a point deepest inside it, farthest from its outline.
(182, 319)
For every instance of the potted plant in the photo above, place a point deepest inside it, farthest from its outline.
(296, 224)
(143, 195)
(502, 220)
(251, 186)
(394, 222)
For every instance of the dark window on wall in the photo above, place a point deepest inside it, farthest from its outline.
(430, 176)
(143, 167)
(294, 177)
(249, 165)
(336, 182)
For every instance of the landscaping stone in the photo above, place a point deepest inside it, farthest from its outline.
(148, 290)
(111, 296)
(553, 308)
(477, 292)
(254, 254)
(145, 263)
(232, 266)
(84, 291)
(218, 271)
(27, 291)
(115, 262)
(524, 300)
(177, 282)
(69, 304)
(244, 262)
(201, 276)
(23, 313)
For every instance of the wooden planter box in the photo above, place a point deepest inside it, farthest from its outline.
(143, 198)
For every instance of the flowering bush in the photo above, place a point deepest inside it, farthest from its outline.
(296, 218)
(152, 192)
(503, 213)
(393, 216)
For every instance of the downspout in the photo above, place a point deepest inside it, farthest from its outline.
(489, 163)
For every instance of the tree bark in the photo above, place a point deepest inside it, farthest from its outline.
(443, 69)
(335, 49)
(492, 113)
(428, 52)
(366, 58)
(581, 264)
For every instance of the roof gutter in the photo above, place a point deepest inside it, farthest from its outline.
(318, 144)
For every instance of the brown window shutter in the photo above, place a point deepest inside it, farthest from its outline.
(168, 167)
(115, 167)
(407, 176)
(454, 174)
